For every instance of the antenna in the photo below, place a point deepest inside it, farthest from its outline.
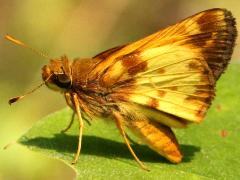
(15, 41)
(15, 99)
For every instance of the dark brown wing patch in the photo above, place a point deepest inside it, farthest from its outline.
(217, 38)
(133, 63)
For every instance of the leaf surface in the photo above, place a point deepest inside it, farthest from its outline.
(211, 149)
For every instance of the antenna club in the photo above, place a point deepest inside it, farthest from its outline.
(20, 43)
(10, 38)
(15, 99)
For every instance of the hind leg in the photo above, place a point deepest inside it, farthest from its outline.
(118, 120)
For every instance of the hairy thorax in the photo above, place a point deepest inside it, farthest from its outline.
(94, 97)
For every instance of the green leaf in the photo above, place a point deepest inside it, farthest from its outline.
(211, 148)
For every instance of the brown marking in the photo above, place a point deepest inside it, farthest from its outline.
(219, 46)
(194, 99)
(130, 60)
(223, 133)
(198, 40)
(161, 70)
(193, 65)
(206, 72)
(217, 22)
(203, 93)
(205, 77)
(209, 41)
(209, 18)
(204, 87)
(133, 63)
(138, 68)
(161, 93)
(212, 26)
(208, 100)
(173, 88)
(202, 111)
(191, 98)
(153, 103)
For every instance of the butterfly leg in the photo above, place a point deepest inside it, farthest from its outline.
(70, 124)
(118, 120)
(77, 109)
(68, 99)
(130, 139)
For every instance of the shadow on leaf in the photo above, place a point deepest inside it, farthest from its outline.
(98, 146)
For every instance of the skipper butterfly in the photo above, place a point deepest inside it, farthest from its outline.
(163, 81)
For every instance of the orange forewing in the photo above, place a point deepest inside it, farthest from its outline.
(172, 72)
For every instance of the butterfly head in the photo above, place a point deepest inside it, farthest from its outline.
(57, 74)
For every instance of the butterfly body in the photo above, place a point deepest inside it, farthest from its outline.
(163, 81)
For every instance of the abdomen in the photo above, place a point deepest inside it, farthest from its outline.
(158, 137)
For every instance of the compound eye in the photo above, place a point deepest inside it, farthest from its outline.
(63, 78)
